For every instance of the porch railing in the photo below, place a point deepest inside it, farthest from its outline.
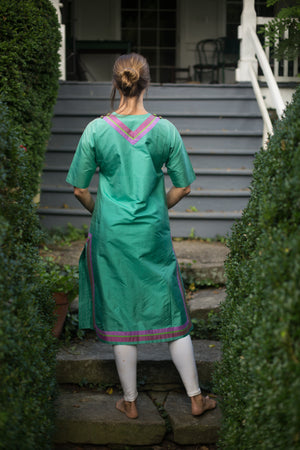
(283, 70)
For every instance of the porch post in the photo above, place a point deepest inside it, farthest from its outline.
(247, 54)
(62, 50)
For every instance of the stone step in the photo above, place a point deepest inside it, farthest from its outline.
(206, 301)
(91, 418)
(199, 260)
(92, 362)
(200, 304)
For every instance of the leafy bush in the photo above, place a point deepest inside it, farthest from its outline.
(259, 377)
(27, 347)
(29, 43)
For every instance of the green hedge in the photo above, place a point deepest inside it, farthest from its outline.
(259, 376)
(29, 43)
(27, 347)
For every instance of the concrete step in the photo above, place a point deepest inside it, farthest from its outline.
(91, 361)
(91, 418)
(201, 303)
(187, 429)
(206, 301)
(199, 260)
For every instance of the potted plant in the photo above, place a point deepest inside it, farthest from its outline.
(63, 281)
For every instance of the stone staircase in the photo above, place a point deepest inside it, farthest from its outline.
(88, 415)
(88, 379)
(221, 128)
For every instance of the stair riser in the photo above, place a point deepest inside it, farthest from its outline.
(95, 108)
(93, 90)
(209, 142)
(65, 123)
(60, 200)
(53, 178)
(205, 204)
(222, 142)
(64, 159)
(217, 182)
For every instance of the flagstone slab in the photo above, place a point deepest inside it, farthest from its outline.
(91, 418)
(205, 301)
(187, 429)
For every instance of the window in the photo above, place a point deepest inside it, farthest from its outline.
(150, 26)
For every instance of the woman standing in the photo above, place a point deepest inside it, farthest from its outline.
(130, 285)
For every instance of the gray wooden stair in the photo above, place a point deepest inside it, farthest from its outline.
(220, 126)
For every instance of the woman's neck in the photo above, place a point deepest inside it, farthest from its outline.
(131, 105)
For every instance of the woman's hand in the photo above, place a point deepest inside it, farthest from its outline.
(176, 194)
(85, 198)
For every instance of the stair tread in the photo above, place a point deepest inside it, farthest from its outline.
(199, 114)
(101, 423)
(172, 214)
(186, 132)
(191, 151)
(94, 362)
(198, 171)
(91, 418)
(194, 192)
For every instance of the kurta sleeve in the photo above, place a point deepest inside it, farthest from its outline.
(178, 163)
(84, 162)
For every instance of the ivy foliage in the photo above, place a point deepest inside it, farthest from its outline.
(259, 376)
(29, 43)
(27, 347)
(288, 18)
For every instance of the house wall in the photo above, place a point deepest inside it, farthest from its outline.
(197, 20)
(97, 20)
(101, 20)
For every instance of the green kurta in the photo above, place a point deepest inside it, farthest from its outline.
(130, 284)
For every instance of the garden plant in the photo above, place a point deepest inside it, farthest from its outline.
(29, 41)
(259, 377)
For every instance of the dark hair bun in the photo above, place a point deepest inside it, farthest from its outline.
(129, 77)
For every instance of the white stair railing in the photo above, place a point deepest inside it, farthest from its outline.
(268, 74)
(252, 53)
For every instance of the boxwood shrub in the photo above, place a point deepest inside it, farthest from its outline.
(29, 43)
(27, 347)
(259, 376)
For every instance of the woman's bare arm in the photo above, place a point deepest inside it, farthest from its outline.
(85, 198)
(174, 195)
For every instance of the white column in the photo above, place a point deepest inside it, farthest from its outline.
(62, 50)
(247, 54)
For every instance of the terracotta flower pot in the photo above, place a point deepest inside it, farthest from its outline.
(60, 310)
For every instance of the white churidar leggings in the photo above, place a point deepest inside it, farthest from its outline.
(182, 355)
